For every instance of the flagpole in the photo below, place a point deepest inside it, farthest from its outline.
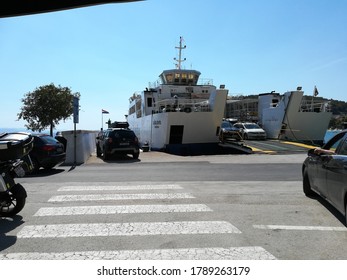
(102, 118)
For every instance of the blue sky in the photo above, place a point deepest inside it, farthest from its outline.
(108, 52)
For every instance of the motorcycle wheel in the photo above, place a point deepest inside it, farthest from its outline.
(14, 202)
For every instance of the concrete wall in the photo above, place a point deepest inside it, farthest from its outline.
(85, 145)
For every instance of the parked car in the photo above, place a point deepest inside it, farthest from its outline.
(119, 140)
(47, 152)
(251, 131)
(324, 172)
(228, 131)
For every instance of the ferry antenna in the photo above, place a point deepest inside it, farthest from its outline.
(180, 48)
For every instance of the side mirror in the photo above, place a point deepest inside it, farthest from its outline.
(311, 152)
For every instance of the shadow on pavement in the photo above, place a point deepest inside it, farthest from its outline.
(7, 225)
(45, 172)
(122, 159)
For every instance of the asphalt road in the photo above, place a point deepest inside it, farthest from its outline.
(170, 207)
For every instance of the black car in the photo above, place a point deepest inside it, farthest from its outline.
(119, 140)
(47, 152)
(229, 132)
(325, 172)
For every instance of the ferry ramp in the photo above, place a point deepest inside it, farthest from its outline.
(277, 146)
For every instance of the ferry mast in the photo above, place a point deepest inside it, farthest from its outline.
(180, 48)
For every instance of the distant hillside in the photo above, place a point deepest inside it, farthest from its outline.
(338, 107)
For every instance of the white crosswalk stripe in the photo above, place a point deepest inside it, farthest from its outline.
(286, 227)
(126, 229)
(94, 197)
(136, 187)
(119, 187)
(121, 209)
(213, 253)
(141, 194)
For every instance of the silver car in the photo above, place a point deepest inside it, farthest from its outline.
(251, 131)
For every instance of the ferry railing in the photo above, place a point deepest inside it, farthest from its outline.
(183, 105)
(206, 81)
(309, 106)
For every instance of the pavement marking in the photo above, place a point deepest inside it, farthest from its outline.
(121, 209)
(99, 197)
(120, 187)
(257, 150)
(126, 229)
(283, 227)
(216, 253)
(299, 144)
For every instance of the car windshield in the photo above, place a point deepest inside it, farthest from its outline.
(226, 125)
(122, 133)
(48, 139)
(334, 142)
(252, 126)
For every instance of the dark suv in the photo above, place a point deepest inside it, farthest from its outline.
(229, 132)
(119, 140)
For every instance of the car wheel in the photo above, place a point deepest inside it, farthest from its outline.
(36, 165)
(307, 185)
(98, 151)
(105, 155)
(346, 211)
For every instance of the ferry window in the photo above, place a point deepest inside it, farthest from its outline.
(190, 78)
(184, 77)
(274, 102)
(132, 110)
(149, 101)
(169, 78)
(177, 77)
(196, 78)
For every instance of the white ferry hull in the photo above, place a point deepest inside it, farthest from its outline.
(162, 129)
(176, 128)
(286, 120)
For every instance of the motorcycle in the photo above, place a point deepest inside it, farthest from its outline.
(13, 148)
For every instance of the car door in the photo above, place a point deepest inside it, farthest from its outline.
(319, 174)
(336, 176)
(319, 163)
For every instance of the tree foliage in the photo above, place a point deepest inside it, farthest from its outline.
(46, 106)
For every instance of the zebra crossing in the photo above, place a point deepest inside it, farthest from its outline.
(153, 198)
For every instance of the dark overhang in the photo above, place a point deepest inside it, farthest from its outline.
(12, 8)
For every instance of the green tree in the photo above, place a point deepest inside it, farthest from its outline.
(46, 106)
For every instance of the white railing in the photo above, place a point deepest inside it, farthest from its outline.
(312, 106)
(183, 105)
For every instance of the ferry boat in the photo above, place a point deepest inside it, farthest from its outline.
(290, 116)
(293, 117)
(178, 113)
